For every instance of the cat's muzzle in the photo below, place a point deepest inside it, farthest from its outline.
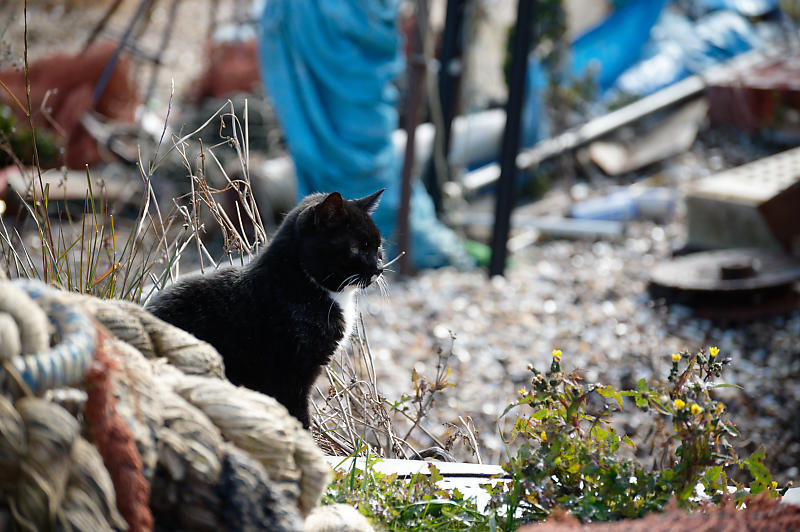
(374, 277)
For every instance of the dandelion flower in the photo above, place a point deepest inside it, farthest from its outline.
(557, 354)
(676, 357)
(713, 351)
(678, 404)
(696, 409)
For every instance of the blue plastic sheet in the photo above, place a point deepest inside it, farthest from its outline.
(613, 46)
(604, 52)
(646, 45)
(680, 47)
(748, 8)
(328, 66)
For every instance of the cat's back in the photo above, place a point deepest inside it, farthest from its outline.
(199, 299)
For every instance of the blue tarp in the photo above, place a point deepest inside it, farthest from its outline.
(613, 46)
(681, 47)
(328, 66)
(603, 52)
(646, 45)
(748, 8)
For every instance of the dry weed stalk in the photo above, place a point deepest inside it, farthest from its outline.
(352, 416)
(205, 203)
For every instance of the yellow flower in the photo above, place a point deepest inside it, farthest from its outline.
(774, 485)
(678, 404)
(696, 409)
(557, 354)
(720, 408)
(544, 436)
(676, 357)
(713, 351)
(521, 392)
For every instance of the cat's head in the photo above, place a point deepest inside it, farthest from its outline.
(340, 245)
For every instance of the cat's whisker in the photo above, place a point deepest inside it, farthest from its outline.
(347, 281)
(394, 259)
(383, 287)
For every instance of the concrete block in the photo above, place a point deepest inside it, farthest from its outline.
(754, 205)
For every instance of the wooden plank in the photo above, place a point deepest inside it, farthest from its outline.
(408, 468)
(70, 186)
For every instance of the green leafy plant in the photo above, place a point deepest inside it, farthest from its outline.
(571, 455)
(16, 143)
(392, 503)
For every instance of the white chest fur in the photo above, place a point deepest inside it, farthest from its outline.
(346, 300)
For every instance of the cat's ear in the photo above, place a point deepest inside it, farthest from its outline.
(330, 210)
(369, 203)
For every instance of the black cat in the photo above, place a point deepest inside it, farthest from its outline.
(278, 320)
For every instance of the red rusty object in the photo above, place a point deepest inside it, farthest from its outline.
(64, 83)
(766, 96)
(232, 67)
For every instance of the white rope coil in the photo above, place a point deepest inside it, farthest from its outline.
(214, 455)
(40, 366)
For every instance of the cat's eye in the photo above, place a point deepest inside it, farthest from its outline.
(354, 250)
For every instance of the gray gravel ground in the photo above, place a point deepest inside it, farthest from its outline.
(588, 299)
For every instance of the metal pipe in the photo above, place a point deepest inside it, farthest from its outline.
(112, 62)
(511, 135)
(449, 80)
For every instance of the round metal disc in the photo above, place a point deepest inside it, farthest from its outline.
(728, 270)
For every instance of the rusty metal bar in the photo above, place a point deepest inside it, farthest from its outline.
(416, 73)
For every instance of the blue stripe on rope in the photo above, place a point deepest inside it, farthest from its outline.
(66, 363)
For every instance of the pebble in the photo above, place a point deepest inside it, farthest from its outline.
(590, 301)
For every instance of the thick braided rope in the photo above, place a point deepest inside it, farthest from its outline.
(173, 422)
(30, 322)
(116, 444)
(42, 368)
(252, 421)
(65, 365)
(47, 471)
(199, 481)
(155, 338)
(55, 475)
